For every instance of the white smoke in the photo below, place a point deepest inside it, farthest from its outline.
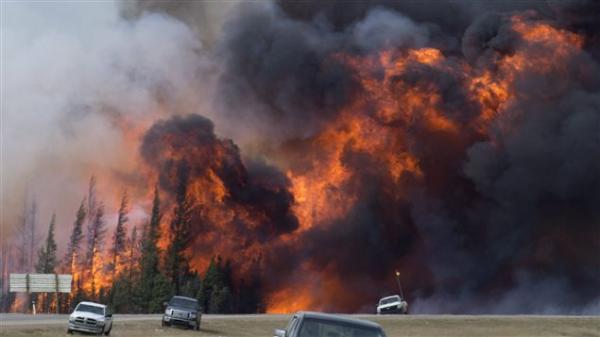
(75, 75)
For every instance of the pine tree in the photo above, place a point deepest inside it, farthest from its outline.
(217, 292)
(133, 257)
(73, 247)
(46, 263)
(47, 254)
(91, 199)
(150, 256)
(134, 274)
(96, 233)
(119, 238)
(123, 291)
(221, 301)
(177, 263)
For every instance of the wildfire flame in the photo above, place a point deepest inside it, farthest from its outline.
(390, 105)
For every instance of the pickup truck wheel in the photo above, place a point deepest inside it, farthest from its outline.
(108, 332)
(69, 331)
(197, 327)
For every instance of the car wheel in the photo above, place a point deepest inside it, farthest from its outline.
(108, 332)
(197, 326)
(162, 323)
(69, 331)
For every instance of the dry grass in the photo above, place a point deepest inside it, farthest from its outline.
(394, 326)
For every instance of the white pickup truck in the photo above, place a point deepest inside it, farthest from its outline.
(90, 317)
(392, 305)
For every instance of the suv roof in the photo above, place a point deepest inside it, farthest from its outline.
(93, 304)
(338, 318)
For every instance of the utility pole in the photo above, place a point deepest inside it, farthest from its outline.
(399, 285)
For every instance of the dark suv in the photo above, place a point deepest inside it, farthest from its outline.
(183, 311)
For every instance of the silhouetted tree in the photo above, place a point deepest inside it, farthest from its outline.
(177, 263)
(119, 238)
(46, 263)
(153, 283)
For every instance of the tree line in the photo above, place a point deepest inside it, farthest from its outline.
(129, 271)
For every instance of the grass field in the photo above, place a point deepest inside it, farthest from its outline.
(417, 326)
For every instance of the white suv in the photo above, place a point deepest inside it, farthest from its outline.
(90, 317)
(392, 305)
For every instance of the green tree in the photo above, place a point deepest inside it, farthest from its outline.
(72, 258)
(216, 291)
(46, 263)
(119, 238)
(150, 256)
(125, 294)
(161, 292)
(75, 239)
(221, 301)
(177, 263)
(47, 254)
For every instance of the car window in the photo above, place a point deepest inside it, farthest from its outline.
(183, 303)
(90, 308)
(292, 326)
(312, 327)
(389, 300)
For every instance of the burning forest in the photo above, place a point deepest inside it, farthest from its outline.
(281, 156)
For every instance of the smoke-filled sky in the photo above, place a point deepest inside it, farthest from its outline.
(454, 141)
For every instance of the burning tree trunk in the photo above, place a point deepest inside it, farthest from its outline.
(96, 232)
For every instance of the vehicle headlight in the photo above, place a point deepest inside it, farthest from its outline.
(168, 311)
(71, 319)
(101, 323)
(192, 315)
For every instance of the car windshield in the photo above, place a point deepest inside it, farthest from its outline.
(90, 308)
(389, 300)
(182, 303)
(312, 327)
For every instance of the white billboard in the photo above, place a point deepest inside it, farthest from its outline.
(40, 283)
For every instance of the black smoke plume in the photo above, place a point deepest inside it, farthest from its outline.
(500, 221)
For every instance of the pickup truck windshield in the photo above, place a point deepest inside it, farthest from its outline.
(182, 303)
(90, 308)
(312, 327)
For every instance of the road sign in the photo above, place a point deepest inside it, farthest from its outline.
(40, 283)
